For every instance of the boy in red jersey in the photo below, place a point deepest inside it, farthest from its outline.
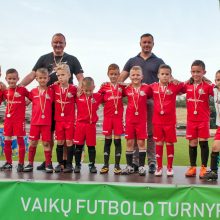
(42, 99)
(64, 96)
(137, 94)
(164, 118)
(212, 174)
(198, 116)
(87, 105)
(113, 117)
(14, 124)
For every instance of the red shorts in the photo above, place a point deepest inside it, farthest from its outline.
(64, 130)
(112, 124)
(85, 133)
(136, 130)
(217, 134)
(196, 129)
(40, 130)
(14, 128)
(166, 133)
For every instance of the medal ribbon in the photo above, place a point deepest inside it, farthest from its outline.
(162, 100)
(61, 100)
(10, 103)
(196, 100)
(89, 108)
(136, 102)
(42, 106)
(115, 101)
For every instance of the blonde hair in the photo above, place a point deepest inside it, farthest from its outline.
(63, 67)
(136, 68)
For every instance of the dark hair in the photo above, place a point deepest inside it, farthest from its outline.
(88, 81)
(218, 72)
(164, 66)
(59, 35)
(198, 63)
(12, 70)
(147, 35)
(43, 71)
(113, 66)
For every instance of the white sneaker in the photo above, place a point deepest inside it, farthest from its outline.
(128, 170)
(159, 171)
(142, 171)
(170, 172)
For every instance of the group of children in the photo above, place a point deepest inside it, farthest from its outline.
(72, 130)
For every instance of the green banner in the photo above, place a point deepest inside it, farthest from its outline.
(40, 200)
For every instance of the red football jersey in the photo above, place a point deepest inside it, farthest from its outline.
(87, 108)
(64, 102)
(197, 101)
(112, 97)
(41, 106)
(16, 105)
(137, 98)
(165, 102)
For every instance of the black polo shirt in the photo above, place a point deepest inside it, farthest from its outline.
(47, 61)
(149, 66)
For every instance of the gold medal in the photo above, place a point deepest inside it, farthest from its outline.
(162, 112)
(195, 112)
(116, 112)
(8, 115)
(43, 116)
(62, 114)
(136, 113)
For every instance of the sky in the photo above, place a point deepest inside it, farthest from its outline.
(101, 32)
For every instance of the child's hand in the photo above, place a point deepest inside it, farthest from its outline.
(2, 86)
(79, 91)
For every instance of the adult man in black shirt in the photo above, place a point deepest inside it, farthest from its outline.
(149, 63)
(50, 61)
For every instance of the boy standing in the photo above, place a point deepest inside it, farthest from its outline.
(14, 124)
(198, 116)
(42, 99)
(65, 95)
(113, 117)
(164, 118)
(135, 126)
(87, 105)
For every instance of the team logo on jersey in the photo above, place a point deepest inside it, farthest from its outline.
(69, 95)
(169, 92)
(201, 91)
(17, 94)
(142, 93)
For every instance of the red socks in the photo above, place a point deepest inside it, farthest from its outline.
(21, 149)
(8, 151)
(170, 155)
(159, 155)
(48, 156)
(31, 154)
